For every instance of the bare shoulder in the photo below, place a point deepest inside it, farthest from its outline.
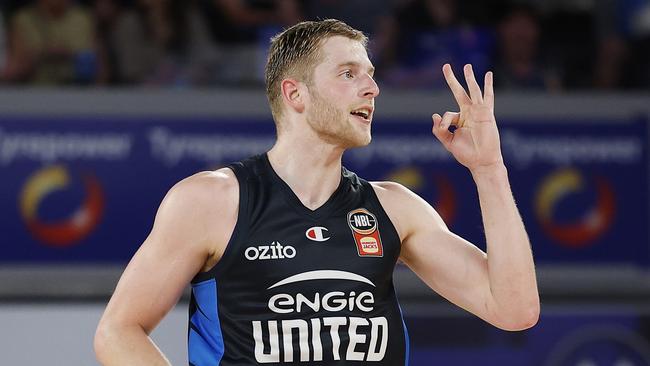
(203, 193)
(399, 203)
(394, 196)
(406, 209)
(191, 228)
(206, 186)
(390, 190)
(222, 178)
(202, 208)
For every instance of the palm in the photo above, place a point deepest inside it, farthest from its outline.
(475, 142)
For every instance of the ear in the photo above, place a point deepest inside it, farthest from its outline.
(293, 94)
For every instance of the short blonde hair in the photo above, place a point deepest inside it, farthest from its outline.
(295, 52)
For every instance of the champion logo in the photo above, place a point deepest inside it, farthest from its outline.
(317, 233)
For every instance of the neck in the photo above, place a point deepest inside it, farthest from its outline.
(312, 169)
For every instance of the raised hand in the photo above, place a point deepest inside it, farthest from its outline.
(475, 140)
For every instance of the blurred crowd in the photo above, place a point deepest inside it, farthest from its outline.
(547, 45)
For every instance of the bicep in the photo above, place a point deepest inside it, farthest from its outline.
(153, 281)
(190, 228)
(451, 266)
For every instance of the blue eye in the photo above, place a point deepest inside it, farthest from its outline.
(348, 74)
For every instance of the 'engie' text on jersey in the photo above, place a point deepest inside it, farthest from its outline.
(364, 338)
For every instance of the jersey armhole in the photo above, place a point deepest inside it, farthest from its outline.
(374, 199)
(242, 216)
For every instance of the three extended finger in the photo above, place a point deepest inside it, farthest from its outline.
(456, 88)
(472, 85)
(488, 96)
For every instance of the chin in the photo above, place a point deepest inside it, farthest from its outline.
(358, 142)
(366, 141)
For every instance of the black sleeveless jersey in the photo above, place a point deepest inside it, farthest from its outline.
(300, 286)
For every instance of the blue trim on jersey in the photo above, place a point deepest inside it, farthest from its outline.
(407, 345)
(205, 340)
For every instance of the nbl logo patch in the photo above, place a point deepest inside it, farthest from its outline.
(365, 232)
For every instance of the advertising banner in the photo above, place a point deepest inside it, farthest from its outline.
(86, 190)
(564, 337)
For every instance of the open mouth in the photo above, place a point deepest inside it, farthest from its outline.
(363, 113)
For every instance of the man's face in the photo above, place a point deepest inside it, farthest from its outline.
(342, 94)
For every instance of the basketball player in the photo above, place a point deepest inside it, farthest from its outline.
(290, 256)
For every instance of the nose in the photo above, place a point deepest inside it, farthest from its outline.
(370, 88)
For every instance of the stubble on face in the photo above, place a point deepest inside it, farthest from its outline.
(333, 125)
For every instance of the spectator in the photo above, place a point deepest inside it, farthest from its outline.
(624, 52)
(611, 48)
(518, 63)
(241, 29)
(3, 46)
(428, 34)
(348, 11)
(52, 42)
(637, 12)
(376, 20)
(154, 42)
(570, 39)
(106, 13)
(141, 40)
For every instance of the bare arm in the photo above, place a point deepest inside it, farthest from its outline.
(511, 269)
(499, 286)
(191, 229)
